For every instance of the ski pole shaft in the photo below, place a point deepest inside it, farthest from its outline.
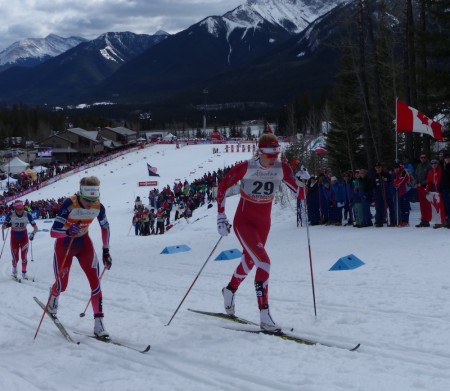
(195, 279)
(31, 247)
(4, 240)
(90, 297)
(56, 279)
(310, 256)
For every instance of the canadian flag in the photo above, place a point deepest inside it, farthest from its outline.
(409, 119)
(432, 208)
(269, 129)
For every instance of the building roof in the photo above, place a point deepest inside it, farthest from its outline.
(121, 130)
(89, 134)
(53, 136)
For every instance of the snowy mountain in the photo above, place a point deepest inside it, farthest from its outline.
(33, 51)
(184, 62)
(212, 47)
(75, 70)
(121, 47)
(291, 15)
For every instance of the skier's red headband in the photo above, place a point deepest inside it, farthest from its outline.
(19, 205)
(269, 148)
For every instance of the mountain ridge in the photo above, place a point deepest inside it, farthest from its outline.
(172, 66)
(33, 51)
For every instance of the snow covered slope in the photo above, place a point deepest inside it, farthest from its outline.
(396, 305)
(36, 50)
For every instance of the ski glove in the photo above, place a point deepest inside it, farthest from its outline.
(302, 175)
(31, 236)
(223, 226)
(107, 260)
(73, 230)
(8, 225)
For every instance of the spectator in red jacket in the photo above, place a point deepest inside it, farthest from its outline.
(434, 185)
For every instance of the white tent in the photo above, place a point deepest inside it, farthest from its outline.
(15, 166)
(4, 183)
(39, 169)
(168, 137)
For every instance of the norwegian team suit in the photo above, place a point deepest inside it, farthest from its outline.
(72, 212)
(253, 217)
(19, 237)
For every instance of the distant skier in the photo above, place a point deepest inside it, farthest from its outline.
(18, 220)
(70, 228)
(260, 178)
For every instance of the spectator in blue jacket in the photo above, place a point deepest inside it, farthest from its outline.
(349, 197)
(337, 201)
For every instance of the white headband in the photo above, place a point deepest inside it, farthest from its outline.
(91, 192)
(271, 150)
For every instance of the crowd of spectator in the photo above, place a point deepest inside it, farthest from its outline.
(182, 198)
(44, 209)
(346, 199)
(350, 198)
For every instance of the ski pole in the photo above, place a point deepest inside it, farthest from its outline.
(90, 297)
(4, 240)
(31, 247)
(310, 256)
(56, 279)
(195, 279)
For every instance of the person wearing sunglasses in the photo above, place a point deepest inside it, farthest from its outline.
(71, 231)
(17, 220)
(259, 179)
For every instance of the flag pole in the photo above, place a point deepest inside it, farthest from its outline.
(397, 205)
(396, 131)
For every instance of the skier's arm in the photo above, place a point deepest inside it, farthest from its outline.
(104, 225)
(231, 178)
(7, 222)
(58, 229)
(289, 178)
(32, 222)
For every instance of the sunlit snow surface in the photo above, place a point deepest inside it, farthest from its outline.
(396, 305)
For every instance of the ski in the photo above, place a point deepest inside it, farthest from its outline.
(20, 280)
(16, 279)
(56, 321)
(280, 334)
(294, 338)
(225, 316)
(114, 342)
(198, 218)
(23, 279)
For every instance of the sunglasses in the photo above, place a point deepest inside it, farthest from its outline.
(89, 199)
(271, 155)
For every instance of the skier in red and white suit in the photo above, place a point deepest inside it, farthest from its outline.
(70, 229)
(18, 220)
(260, 178)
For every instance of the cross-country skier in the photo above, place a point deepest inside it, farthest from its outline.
(18, 220)
(260, 178)
(70, 229)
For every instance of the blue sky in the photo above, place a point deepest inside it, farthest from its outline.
(38, 18)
